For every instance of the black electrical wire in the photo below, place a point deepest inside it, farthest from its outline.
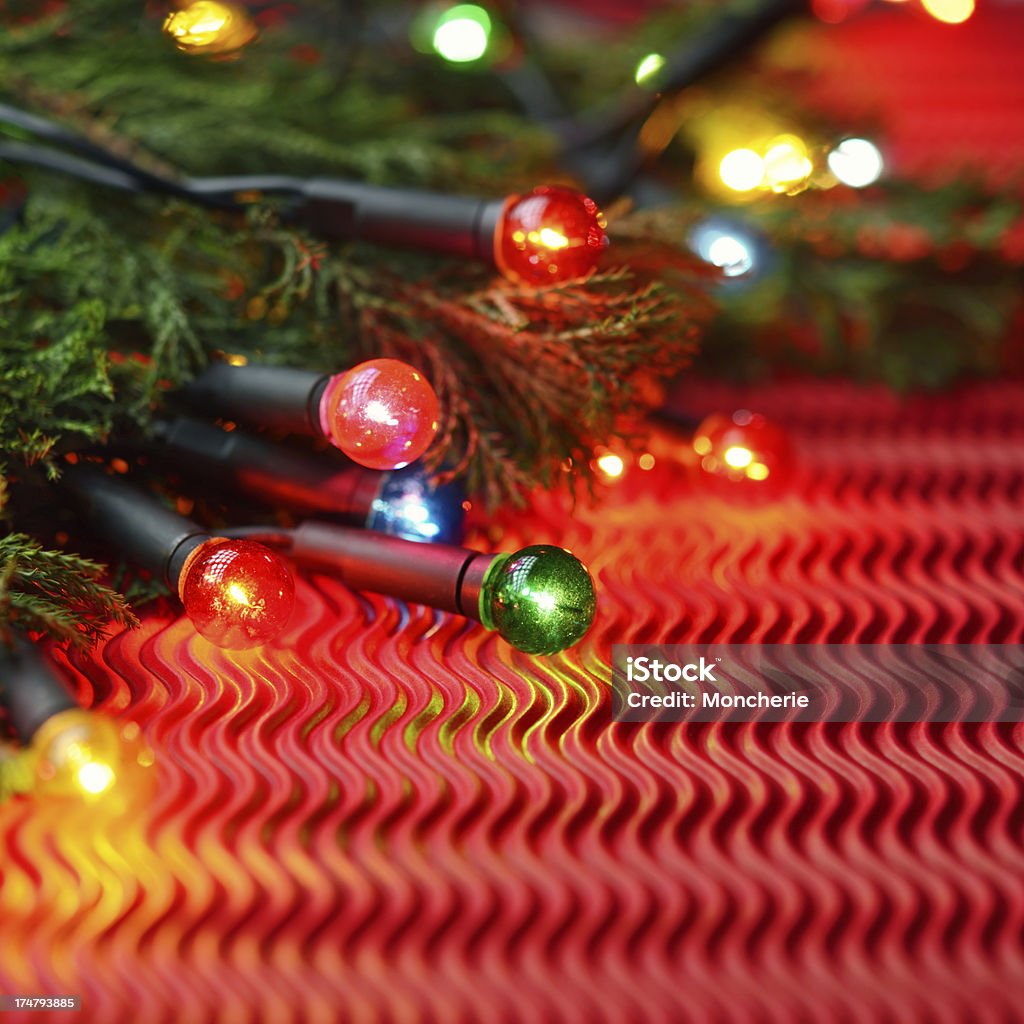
(87, 161)
(51, 132)
(65, 163)
(603, 146)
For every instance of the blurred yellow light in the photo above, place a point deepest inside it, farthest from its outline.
(786, 164)
(952, 12)
(702, 444)
(648, 68)
(553, 239)
(738, 456)
(611, 465)
(646, 461)
(757, 471)
(742, 170)
(210, 26)
(95, 777)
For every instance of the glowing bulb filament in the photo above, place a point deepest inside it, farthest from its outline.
(238, 595)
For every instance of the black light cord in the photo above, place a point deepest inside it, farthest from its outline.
(65, 163)
(80, 158)
(603, 145)
(58, 135)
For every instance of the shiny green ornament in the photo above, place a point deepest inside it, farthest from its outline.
(540, 599)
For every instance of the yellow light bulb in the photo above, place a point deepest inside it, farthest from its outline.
(787, 166)
(210, 26)
(79, 754)
(742, 170)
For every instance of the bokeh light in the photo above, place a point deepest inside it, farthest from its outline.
(462, 34)
(611, 465)
(743, 453)
(742, 170)
(856, 162)
(737, 250)
(648, 68)
(952, 12)
(210, 27)
(787, 167)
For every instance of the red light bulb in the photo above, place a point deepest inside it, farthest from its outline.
(382, 414)
(549, 234)
(744, 450)
(237, 593)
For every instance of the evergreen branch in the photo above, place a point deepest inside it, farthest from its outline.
(55, 592)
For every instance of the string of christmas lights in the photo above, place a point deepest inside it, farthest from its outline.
(551, 233)
(540, 599)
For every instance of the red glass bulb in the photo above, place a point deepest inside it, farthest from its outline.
(744, 450)
(550, 234)
(237, 593)
(382, 414)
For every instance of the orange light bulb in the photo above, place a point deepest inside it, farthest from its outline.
(549, 234)
(237, 593)
(382, 414)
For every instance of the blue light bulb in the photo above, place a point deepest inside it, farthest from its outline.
(408, 507)
(739, 250)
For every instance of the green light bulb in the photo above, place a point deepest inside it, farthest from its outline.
(462, 34)
(540, 599)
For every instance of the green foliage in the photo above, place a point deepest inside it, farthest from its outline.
(55, 592)
(915, 287)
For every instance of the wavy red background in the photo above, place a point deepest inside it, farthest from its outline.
(393, 816)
